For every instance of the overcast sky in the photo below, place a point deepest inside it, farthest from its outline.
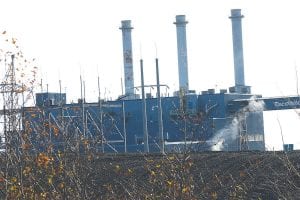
(73, 37)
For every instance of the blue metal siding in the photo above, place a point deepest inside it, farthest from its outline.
(189, 118)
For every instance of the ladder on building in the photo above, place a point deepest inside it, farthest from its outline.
(243, 136)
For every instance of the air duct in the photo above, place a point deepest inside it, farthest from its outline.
(182, 53)
(127, 56)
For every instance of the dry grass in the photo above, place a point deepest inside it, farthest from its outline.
(207, 175)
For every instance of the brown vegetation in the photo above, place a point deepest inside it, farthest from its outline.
(207, 175)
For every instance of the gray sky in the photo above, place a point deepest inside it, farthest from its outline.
(69, 37)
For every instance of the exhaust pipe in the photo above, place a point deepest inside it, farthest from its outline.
(182, 53)
(127, 57)
(238, 55)
(237, 39)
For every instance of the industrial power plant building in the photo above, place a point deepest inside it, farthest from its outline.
(227, 120)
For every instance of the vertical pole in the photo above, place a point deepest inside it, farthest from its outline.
(145, 129)
(23, 111)
(84, 91)
(6, 149)
(124, 126)
(160, 120)
(60, 102)
(84, 115)
(100, 114)
(12, 101)
(21, 141)
(61, 112)
(81, 93)
(82, 107)
(60, 95)
(122, 87)
(47, 88)
(50, 125)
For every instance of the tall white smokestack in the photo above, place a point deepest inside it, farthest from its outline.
(237, 39)
(127, 56)
(182, 53)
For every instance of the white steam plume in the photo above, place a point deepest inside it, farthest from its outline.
(254, 105)
(226, 134)
(231, 132)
